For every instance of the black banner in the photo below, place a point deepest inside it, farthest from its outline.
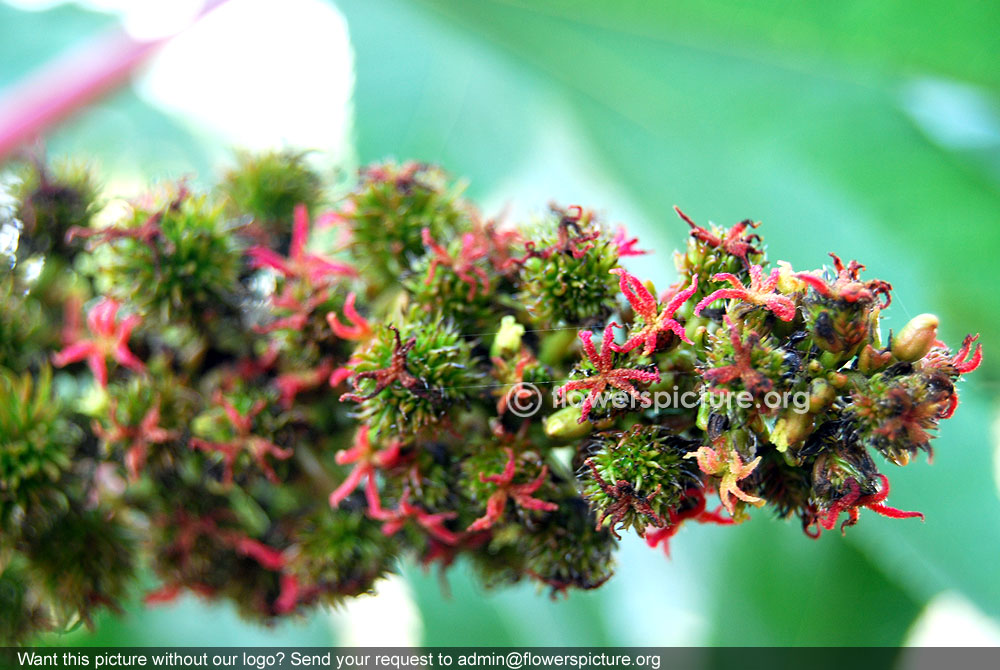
(524, 658)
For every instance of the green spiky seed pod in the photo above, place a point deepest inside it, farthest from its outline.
(408, 379)
(342, 553)
(715, 250)
(389, 210)
(177, 262)
(740, 359)
(21, 616)
(268, 186)
(52, 200)
(897, 414)
(501, 484)
(22, 326)
(565, 276)
(432, 470)
(85, 560)
(37, 441)
(632, 478)
(457, 287)
(566, 550)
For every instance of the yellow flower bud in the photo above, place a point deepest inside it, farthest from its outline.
(916, 338)
(564, 424)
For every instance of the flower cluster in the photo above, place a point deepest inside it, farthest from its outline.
(281, 400)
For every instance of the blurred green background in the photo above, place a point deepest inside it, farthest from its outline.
(871, 129)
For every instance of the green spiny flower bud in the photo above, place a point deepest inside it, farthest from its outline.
(455, 280)
(565, 275)
(174, 261)
(21, 615)
(341, 552)
(84, 559)
(51, 202)
(633, 478)
(389, 211)
(567, 550)
(916, 338)
(897, 415)
(269, 185)
(408, 378)
(37, 441)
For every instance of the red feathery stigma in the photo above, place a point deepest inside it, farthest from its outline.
(761, 292)
(853, 501)
(742, 368)
(365, 459)
(626, 499)
(244, 442)
(138, 437)
(110, 340)
(682, 512)
(733, 242)
(290, 384)
(394, 520)
(606, 374)
(575, 245)
(462, 265)
(395, 372)
(847, 285)
(521, 494)
(300, 263)
(626, 245)
(656, 323)
(359, 329)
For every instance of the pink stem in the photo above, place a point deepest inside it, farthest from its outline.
(73, 80)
